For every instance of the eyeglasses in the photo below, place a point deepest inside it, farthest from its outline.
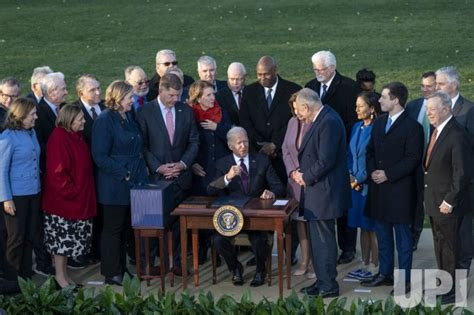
(169, 63)
(143, 82)
(9, 96)
(320, 70)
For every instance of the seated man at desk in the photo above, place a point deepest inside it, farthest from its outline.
(244, 174)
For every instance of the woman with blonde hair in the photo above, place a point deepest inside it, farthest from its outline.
(69, 200)
(117, 148)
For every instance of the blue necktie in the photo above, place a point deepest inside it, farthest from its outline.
(388, 125)
(325, 87)
(269, 98)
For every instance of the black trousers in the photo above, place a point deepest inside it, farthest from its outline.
(346, 235)
(465, 242)
(260, 247)
(21, 231)
(3, 241)
(116, 222)
(445, 238)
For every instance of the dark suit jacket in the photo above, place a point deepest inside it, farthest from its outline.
(44, 126)
(158, 149)
(117, 149)
(155, 84)
(399, 154)
(323, 162)
(262, 176)
(87, 133)
(226, 100)
(341, 96)
(448, 172)
(3, 116)
(32, 96)
(413, 108)
(220, 85)
(265, 125)
(463, 111)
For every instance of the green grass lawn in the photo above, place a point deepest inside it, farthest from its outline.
(397, 39)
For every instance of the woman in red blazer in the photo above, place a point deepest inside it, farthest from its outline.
(69, 200)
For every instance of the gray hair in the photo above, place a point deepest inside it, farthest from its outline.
(50, 81)
(235, 131)
(162, 53)
(9, 81)
(451, 73)
(444, 98)
(326, 57)
(178, 72)
(206, 60)
(310, 98)
(81, 82)
(39, 73)
(129, 70)
(238, 65)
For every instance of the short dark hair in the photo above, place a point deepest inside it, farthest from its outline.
(365, 75)
(372, 99)
(170, 81)
(397, 90)
(428, 74)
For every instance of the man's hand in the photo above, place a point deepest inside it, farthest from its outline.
(268, 148)
(208, 124)
(445, 208)
(9, 207)
(233, 171)
(379, 177)
(198, 170)
(298, 178)
(267, 194)
(171, 170)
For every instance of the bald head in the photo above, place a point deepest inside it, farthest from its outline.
(236, 76)
(267, 71)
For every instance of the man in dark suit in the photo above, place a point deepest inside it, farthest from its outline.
(265, 112)
(244, 174)
(447, 175)
(340, 93)
(416, 109)
(207, 71)
(165, 59)
(54, 92)
(230, 97)
(38, 74)
(325, 177)
(9, 91)
(394, 153)
(447, 80)
(171, 142)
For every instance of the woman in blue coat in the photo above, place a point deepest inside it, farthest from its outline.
(117, 146)
(367, 108)
(20, 186)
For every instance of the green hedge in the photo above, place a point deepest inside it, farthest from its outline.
(47, 300)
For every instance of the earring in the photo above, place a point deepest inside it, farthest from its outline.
(371, 115)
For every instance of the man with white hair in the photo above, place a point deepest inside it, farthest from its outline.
(38, 74)
(448, 81)
(340, 93)
(230, 97)
(165, 59)
(137, 78)
(9, 91)
(207, 71)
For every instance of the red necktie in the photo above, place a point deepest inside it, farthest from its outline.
(141, 100)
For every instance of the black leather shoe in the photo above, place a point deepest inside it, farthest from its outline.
(311, 290)
(115, 280)
(407, 289)
(238, 277)
(328, 294)
(346, 257)
(251, 262)
(258, 279)
(377, 280)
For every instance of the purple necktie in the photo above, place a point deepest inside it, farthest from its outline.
(169, 124)
(244, 176)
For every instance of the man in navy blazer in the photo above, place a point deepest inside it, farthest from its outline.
(326, 192)
(416, 109)
(394, 154)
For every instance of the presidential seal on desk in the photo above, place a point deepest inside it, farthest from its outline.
(228, 220)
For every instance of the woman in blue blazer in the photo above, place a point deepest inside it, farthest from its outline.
(20, 186)
(367, 108)
(117, 146)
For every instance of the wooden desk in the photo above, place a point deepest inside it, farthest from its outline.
(259, 215)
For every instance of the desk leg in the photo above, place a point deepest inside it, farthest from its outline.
(288, 254)
(162, 260)
(170, 257)
(137, 253)
(184, 246)
(195, 256)
(147, 259)
(279, 231)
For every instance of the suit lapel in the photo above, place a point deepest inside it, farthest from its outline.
(396, 123)
(160, 122)
(311, 130)
(458, 106)
(252, 172)
(439, 140)
(178, 122)
(332, 88)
